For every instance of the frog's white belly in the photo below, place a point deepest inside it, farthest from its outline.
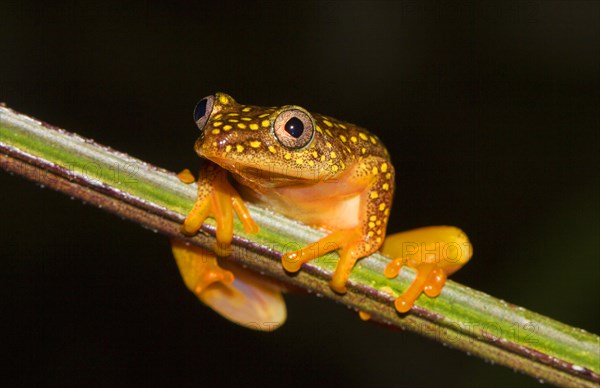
(320, 205)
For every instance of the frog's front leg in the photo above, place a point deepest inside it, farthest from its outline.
(435, 252)
(217, 198)
(372, 181)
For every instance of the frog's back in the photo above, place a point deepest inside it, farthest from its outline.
(358, 141)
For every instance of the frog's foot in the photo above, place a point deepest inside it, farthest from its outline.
(198, 267)
(243, 299)
(430, 279)
(350, 245)
(217, 198)
(434, 252)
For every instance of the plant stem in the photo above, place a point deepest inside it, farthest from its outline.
(460, 317)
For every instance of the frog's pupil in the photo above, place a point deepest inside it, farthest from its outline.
(294, 127)
(200, 110)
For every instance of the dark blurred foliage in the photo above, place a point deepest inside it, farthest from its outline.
(490, 112)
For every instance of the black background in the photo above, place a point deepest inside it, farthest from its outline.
(490, 113)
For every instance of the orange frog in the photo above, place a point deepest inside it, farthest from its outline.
(324, 172)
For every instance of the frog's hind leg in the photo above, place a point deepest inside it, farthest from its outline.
(434, 252)
(244, 299)
(198, 267)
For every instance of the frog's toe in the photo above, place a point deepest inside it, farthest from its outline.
(186, 176)
(393, 268)
(435, 282)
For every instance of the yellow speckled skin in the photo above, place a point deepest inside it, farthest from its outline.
(313, 168)
(342, 180)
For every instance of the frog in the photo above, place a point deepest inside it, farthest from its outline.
(324, 172)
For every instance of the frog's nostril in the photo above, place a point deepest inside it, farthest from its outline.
(202, 111)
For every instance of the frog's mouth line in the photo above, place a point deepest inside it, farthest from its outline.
(273, 174)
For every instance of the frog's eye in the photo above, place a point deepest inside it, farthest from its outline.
(294, 128)
(202, 111)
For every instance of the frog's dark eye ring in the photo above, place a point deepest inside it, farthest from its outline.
(202, 111)
(294, 128)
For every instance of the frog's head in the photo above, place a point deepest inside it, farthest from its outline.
(268, 146)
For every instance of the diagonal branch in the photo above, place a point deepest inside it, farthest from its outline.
(463, 318)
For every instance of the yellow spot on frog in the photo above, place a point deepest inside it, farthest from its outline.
(272, 149)
(239, 148)
(327, 131)
(227, 127)
(233, 114)
(385, 186)
(371, 234)
(288, 156)
(384, 167)
(343, 127)
(343, 138)
(363, 136)
(378, 239)
(373, 140)
(255, 144)
(333, 155)
(218, 116)
(363, 151)
(353, 139)
(216, 131)
(315, 154)
(246, 119)
(233, 120)
(372, 218)
(334, 168)
(224, 100)
(375, 171)
(319, 129)
(263, 115)
(371, 225)
(322, 158)
(311, 163)
(386, 212)
(299, 161)
(382, 206)
(217, 123)
(246, 109)
(253, 126)
(241, 126)
(327, 123)
(265, 123)
(228, 148)
(328, 145)
(388, 175)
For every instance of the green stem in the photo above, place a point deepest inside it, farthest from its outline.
(460, 317)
